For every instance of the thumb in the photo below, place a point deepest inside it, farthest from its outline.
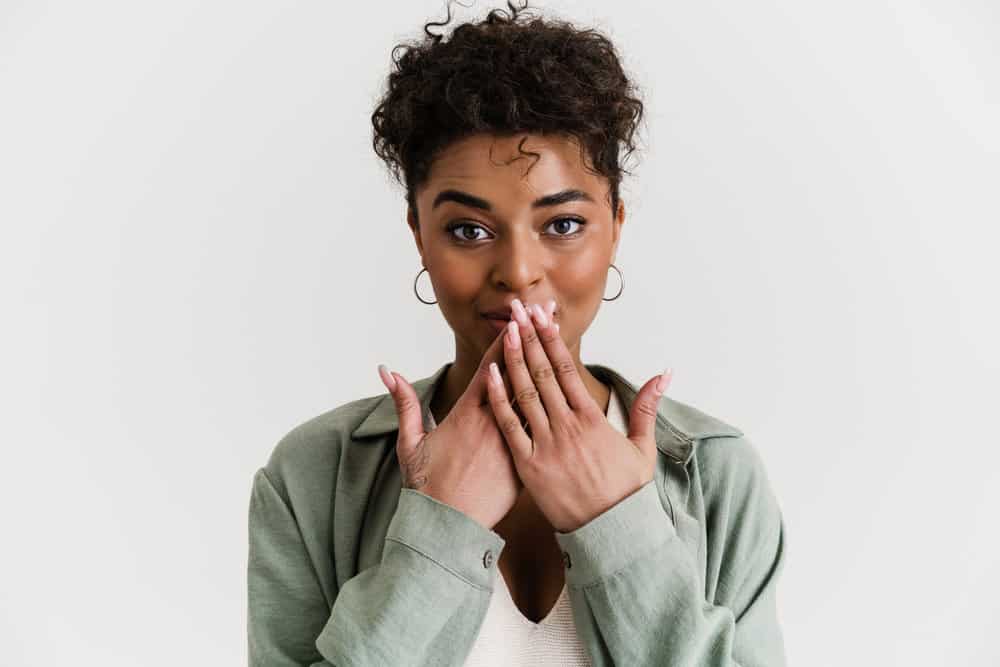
(642, 416)
(411, 421)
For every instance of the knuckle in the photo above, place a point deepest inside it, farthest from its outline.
(406, 403)
(509, 425)
(529, 395)
(529, 337)
(542, 373)
(565, 368)
(568, 428)
(647, 409)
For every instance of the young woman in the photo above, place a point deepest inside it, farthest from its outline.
(517, 506)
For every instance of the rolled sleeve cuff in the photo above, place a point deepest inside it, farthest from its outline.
(612, 540)
(447, 536)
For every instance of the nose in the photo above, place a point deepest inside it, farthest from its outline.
(519, 263)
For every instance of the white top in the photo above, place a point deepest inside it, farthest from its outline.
(509, 639)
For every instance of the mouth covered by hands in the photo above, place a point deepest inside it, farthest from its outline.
(575, 463)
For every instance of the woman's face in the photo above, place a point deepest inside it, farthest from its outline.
(488, 233)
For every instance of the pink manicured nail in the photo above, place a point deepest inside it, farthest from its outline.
(664, 381)
(513, 335)
(551, 307)
(520, 314)
(387, 379)
(540, 317)
(495, 373)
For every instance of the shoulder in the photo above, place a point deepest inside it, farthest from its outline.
(309, 453)
(725, 461)
(743, 520)
(732, 472)
(729, 462)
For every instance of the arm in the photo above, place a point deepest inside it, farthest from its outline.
(644, 604)
(420, 605)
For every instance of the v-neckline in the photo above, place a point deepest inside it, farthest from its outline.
(524, 619)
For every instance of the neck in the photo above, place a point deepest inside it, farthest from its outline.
(459, 374)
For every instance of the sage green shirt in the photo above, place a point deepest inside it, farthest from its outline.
(347, 568)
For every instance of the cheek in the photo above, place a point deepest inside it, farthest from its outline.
(582, 280)
(580, 286)
(456, 281)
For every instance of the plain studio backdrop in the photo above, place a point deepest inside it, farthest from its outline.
(200, 251)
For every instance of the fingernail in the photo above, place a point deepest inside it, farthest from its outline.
(540, 317)
(519, 313)
(387, 379)
(552, 307)
(513, 335)
(665, 376)
(495, 373)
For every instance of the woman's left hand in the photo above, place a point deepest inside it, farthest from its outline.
(575, 464)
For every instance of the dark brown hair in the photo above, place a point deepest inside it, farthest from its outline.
(511, 72)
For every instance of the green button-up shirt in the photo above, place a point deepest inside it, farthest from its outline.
(348, 568)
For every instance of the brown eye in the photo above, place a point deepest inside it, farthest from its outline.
(465, 236)
(564, 226)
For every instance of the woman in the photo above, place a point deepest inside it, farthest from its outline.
(517, 506)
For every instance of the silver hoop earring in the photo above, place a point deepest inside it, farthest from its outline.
(620, 287)
(418, 293)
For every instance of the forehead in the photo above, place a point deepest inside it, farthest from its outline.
(489, 163)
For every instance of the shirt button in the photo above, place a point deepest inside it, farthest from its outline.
(566, 560)
(488, 558)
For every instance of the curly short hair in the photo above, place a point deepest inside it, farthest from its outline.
(508, 74)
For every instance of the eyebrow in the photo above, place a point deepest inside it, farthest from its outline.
(554, 199)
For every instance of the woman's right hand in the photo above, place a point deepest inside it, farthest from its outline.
(465, 461)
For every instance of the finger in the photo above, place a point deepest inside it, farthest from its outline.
(507, 420)
(411, 423)
(564, 367)
(542, 371)
(508, 386)
(476, 391)
(642, 415)
(524, 389)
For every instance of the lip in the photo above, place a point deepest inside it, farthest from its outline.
(499, 313)
(499, 317)
(505, 311)
(496, 323)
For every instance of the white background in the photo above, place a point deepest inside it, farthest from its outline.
(200, 251)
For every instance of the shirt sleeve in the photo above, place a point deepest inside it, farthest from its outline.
(286, 608)
(419, 603)
(640, 597)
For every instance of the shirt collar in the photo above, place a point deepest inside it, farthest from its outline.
(678, 426)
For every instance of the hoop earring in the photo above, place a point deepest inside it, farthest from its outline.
(418, 293)
(620, 287)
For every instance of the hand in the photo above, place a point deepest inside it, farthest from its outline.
(464, 462)
(575, 464)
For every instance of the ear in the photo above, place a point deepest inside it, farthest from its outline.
(415, 228)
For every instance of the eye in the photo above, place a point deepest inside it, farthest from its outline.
(561, 224)
(462, 237)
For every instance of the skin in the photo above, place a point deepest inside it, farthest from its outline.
(519, 251)
(573, 464)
